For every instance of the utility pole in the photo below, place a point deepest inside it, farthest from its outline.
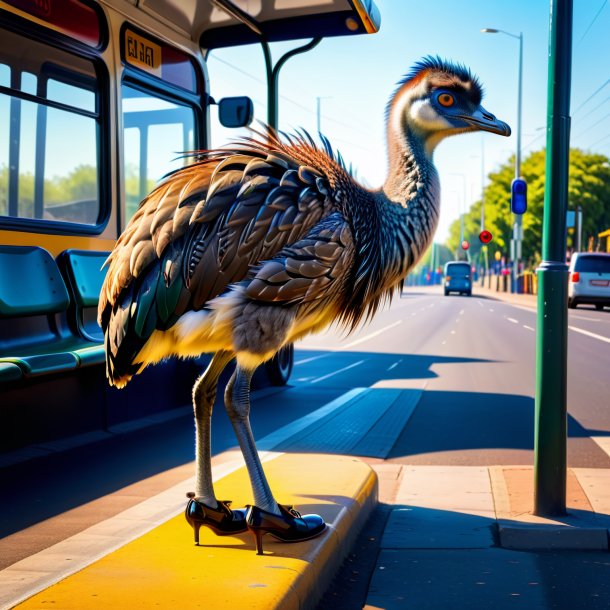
(518, 222)
(550, 434)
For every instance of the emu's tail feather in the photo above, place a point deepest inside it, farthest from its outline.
(148, 303)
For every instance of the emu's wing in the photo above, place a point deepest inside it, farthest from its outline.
(314, 268)
(201, 230)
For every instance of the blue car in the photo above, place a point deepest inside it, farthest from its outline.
(458, 278)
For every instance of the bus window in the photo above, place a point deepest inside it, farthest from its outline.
(156, 133)
(49, 134)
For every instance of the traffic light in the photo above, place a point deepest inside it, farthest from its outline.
(518, 200)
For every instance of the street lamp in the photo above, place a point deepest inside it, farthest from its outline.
(462, 206)
(318, 110)
(518, 224)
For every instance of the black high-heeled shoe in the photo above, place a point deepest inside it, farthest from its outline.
(221, 520)
(289, 526)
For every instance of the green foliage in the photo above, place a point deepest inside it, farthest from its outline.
(78, 186)
(589, 187)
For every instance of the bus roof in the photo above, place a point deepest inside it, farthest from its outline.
(214, 27)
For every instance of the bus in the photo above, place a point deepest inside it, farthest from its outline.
(96, 97)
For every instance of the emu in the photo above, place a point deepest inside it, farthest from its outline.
(253, 246)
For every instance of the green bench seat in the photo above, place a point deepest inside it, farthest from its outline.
(36, 337)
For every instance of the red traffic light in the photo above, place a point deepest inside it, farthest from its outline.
(485, 237)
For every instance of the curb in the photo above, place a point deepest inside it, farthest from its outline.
(164, 569)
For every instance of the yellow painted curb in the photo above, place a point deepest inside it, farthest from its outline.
(164, 569)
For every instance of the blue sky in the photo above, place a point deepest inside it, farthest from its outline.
(355, 76)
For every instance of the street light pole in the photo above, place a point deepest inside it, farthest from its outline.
(518, 222)
(318, 111)
(550, 434)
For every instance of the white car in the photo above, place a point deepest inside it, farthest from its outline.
(589, 279)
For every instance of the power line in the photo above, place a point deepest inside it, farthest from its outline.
(598, 141)
(601, 8)
(591, 96)
(599, 105)
(532, 142)
(592, 126)
(226, 63)
(290, 100)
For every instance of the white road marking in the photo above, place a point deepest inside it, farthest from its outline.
(444, 342)
(461, 312)
(480, 303)
(453, 332)
(340, 348)
(304, 360)
(573, 315)
(345, 368)
(528, 327)
(393, 366)
(513, 320)
(589, 334)
(370, 335)
(490, 309)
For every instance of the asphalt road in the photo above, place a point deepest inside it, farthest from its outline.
(473, 357)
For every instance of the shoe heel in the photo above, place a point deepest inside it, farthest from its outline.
(196, 526)
(258, 537)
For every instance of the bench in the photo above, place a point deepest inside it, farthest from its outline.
(47, 324)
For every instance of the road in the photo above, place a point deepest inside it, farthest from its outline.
(469, 363)
(475, 359)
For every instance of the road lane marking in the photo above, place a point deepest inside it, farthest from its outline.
(479, 303)
(461, 312)
(528, 327)
(393, 366)
(584, 318)
(513, 320)
(345, 368)
(589, 334)
(332, 349)
(370, 335)
(490, 309)
(304, 360)
(453, 332)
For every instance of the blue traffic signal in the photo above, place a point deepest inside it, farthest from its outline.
(518, 200)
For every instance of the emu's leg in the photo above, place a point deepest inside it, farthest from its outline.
(204, 394)
(237, 402)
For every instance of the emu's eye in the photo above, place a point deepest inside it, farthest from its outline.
(445, 99)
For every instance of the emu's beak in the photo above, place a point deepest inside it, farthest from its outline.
(485, 121)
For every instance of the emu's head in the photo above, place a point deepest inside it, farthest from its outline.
(439, 99)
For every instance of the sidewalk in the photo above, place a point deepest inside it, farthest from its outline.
(465, 537)
(525, 300)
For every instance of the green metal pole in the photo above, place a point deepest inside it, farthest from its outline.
(273, 75)
(552, 334)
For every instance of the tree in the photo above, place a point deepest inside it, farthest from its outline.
(589, 187)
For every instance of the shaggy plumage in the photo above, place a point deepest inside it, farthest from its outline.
(274, 225)
(254, 246)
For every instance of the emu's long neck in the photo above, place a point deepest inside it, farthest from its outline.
(393, 228)
(410, 201)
